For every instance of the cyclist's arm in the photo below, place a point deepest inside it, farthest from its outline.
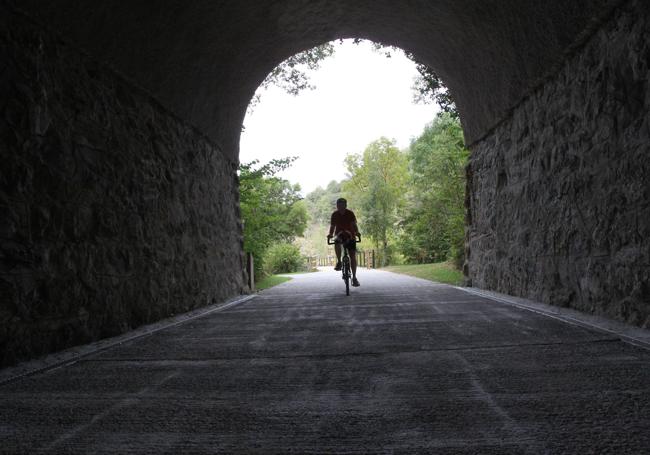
(355, 227)
(331, 233)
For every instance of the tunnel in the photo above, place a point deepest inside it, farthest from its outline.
(120, 133)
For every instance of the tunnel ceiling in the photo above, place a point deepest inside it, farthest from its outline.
(203, 59)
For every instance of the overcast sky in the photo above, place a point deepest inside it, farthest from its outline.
(361, 95)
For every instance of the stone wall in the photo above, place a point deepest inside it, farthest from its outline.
(114, 212)
(559, 194)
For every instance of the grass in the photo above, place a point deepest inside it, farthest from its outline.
(297, 273)
(270, 281)
(442, 272)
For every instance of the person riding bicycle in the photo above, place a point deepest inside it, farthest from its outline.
(343, 226)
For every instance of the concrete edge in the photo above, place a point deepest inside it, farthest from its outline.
(74, 354)
(630, 334)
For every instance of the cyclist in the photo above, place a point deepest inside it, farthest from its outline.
(343, 225)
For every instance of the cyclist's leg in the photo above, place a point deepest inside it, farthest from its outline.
(352, 248)
(353, 262)
(337, 250)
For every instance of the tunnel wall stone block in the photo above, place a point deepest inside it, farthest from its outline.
(559, 194)
(114, 212)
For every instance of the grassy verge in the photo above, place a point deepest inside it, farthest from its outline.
(442, 272)
(297, 273)
(270, 281)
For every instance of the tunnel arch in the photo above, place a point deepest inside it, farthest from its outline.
(205, 59)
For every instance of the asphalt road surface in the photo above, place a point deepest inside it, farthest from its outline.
(402, 365)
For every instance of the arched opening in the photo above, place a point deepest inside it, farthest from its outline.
(364, 109)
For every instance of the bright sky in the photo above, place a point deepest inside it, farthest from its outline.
(360, 96)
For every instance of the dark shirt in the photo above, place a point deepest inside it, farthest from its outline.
(344, 221)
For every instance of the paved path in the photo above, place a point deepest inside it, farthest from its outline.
(400, 366)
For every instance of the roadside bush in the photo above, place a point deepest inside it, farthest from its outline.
(283, 258)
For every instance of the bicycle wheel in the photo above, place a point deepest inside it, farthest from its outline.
(346, 274)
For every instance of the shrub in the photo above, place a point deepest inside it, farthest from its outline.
(283, 258)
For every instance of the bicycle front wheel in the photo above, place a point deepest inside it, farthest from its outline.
(346, 272)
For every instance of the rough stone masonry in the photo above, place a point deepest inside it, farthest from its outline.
(114, 212)
(559, 194)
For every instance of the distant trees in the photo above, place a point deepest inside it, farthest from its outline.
(321, 202)
(409, 203)
(377, 187)
(433, 226)
(271, 209)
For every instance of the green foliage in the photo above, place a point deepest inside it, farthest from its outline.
(270, 281)
(428, 87)
(313, 243)
(410, 205)
(322, 202)
(271, 209)
(283, 258)
(433, 229)
(376, 190)
(292, 75)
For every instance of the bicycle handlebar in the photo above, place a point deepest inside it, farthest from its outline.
(331, 241)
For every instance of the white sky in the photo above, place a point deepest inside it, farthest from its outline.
(360, 96)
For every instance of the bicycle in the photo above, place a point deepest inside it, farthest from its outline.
(346, 271)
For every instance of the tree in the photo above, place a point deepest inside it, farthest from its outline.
(322, 201)
(433, 230)
(283, 258)
(428, 87)
(292, 75)
(271, 209)
(320, 204)
(377, 184)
